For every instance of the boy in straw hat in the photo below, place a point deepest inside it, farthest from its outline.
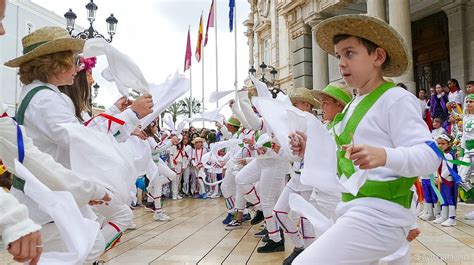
(380, 136)
(198, 167)
(50, 60)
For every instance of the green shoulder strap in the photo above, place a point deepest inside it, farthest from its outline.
(20, 115)
(344, 165)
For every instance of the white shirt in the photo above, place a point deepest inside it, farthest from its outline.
(47, 110)
(393, 123)
(423, 107)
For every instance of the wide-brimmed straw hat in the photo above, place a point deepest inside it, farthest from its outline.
(337, 91)
(369, 28)
(198, 139)
(233, 121)
(303, 94)
(44, 41)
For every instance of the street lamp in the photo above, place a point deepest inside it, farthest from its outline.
(273, 72)
(90, 33)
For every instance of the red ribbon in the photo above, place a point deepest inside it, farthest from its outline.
(109, 118)
(4, 115)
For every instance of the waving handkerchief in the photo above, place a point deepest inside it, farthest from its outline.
(214, 114)
(262, 88)
(168, 121)
(216, 95)
(318, 220)
(122, 69)
(107, 162)
(165, 94)
(78, 233)
(231, 143)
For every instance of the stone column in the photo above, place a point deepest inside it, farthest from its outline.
(376, 8)
(302, 56)
(399, 17)
(320, 60)
(458, 42)
(250, 42)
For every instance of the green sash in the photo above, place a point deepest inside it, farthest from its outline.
(19, 183)
(397, 191)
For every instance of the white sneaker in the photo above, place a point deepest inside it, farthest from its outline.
(161, 217)
(215, 196)
(179, 197)
(132, 227)
(449, 222)
(469, 216)
(439, 220)
(427, 217)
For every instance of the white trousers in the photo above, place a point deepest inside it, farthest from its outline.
(118, 217)
(357, 238)
(186, 179)
(271, 174)
(175, 184)
(303, 236)
(199, 175)
(53, 242)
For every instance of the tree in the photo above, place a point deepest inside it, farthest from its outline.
(176, 109)
(190, 106)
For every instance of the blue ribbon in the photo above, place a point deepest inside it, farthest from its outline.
(439, 153)
(20, 142)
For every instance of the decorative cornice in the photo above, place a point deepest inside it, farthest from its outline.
(298, 29)
(315, 19)
(265, 24)
(289, 6)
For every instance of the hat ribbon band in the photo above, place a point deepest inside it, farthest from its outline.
(338, 94)
(32, 47)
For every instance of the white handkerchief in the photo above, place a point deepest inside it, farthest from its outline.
(216, 95)
(78, 233)
(319, 222)
(164, 95)
(231, 143)
(262, 88)
(122, 69)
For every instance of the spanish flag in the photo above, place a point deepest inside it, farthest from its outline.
(199, 42)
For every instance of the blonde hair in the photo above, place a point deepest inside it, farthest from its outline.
(42, 67)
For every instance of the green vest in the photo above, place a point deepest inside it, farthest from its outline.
(397, 191)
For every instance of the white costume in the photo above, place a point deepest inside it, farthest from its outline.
(379, 225)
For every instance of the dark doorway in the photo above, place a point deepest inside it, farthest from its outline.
(430, 37)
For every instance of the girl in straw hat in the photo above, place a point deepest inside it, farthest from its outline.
(50, 60)
(380, 136)
(198, 167)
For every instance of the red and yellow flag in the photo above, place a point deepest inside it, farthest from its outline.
(199, 42)
(210, 22)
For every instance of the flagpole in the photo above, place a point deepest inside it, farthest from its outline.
(217, 61)
(235, 43)
(202, 58)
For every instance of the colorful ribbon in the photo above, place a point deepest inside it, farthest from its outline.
(435, 189)
(440, 154)
(109, 118)
(19, 139)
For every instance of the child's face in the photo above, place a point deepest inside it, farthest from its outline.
(469, 89)
(470, 105)
(303, 106)
(198, 145)
(439, 89)
(436, 124)
(330, 107)
(443, 144)
(356, 65)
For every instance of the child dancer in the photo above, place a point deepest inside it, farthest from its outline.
(448, 186)
(198, 169)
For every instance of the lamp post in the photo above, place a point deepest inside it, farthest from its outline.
(270, 83)
(90, 32)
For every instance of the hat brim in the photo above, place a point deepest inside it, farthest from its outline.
(369, 28)
(315, 103)
(58, 45)
(317, 94)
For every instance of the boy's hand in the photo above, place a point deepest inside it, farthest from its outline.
(366, 156)
(122, 103)
(27, 248)
(298, 143)
(143, 105)
(412, 234)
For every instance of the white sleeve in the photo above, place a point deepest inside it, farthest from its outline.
(120, 132)
(14, 221)
(255, 122)
(44, 167)
(411, 156)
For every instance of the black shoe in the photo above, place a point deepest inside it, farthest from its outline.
(266, 238)
(262, 233)
(292, 256)
(257, 218)
(272, 246)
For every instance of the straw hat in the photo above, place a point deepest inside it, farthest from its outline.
(337, 91)
(44, 41)
(233, 121)
(304, 95)
(198, 139)
(369, 28)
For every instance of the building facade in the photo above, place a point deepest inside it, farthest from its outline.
(21, 18)
(440, 35)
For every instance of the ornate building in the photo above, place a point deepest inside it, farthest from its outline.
(440, 35)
